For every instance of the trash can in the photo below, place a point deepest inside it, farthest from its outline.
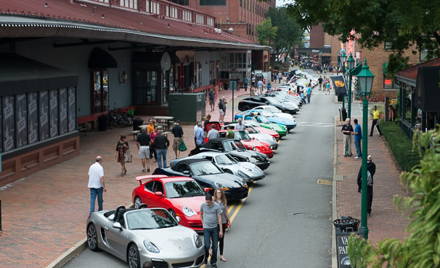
(187, 107)
(137, 122)
(102, 123)
(344, 226)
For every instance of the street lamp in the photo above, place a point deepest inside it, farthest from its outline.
(342, 58)
(350, 62)
(365, 78)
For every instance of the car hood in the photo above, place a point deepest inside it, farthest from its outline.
(250, 169)
(284, 121)
(193, 203)
(225, 179)
(264, 138)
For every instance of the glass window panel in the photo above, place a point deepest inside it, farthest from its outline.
(63, 110)
(44, 115)
(53, 105)
(21, 120)
(72, 109)
(8, 123)
(32, 117)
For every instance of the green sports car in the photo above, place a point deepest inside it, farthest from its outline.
(264, 122)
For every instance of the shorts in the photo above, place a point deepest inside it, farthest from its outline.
(221, 112)
(176, 143)
(144, 152)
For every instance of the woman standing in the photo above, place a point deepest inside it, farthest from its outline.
(121, 149)
(220, 199)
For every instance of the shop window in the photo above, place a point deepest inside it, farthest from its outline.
(213, 2)
(8, 123)
(21, 120)
(62, 105)
(53, 113)
(43, 108)
(128, 3)
(210, 21)
(200, 19)
(99, 91)
(153, 7)
(32, 117)
(187, 15)
(71, 111)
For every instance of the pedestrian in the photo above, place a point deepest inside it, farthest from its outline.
(309, 93)
(245, 83)
(280, 77)
(121, 151)
(206, 123)
(240, 126)
(220, 200)
(199, 135)
(376, 116)
(212, 133)
(143, 143)
(211, 96)
(371, 170)
(222, 109)
(320, 80)
(151, 130)
(260, 85)
(230, 134)
(357, 138)
(178, 137)
(210, 213)
(327, 87)
(269, 86)
(347, 130)
(161, 144)
(96, 184)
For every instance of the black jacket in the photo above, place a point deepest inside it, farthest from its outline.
(370, 167)
(161, 142)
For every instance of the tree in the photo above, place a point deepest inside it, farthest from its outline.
(266, 32)
(422, 247)
(403, 23)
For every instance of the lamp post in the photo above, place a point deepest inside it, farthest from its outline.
(350, 62)
(365, 78)
(342, 58)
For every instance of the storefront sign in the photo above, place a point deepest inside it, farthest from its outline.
(339, 85)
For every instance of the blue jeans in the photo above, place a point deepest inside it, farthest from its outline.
(211, 234)
(96, 192)
(357, 143)
(161, 158)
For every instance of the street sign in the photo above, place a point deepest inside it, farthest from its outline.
(341, 250)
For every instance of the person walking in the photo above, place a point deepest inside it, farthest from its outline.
(245, 83)
(211, 216)
(260, 85)
(212, 133)
(376, 116)
(143, 144)
(151, 131)
(309, 92)
(206, 123)
(96, 184)
(121, 151)
(220, 200)
(320, 80)
(327, 87)
(347, 130)
(161, 144)
(211, 96)
(178, 137)
(371, 170)
(357, 138)
(199, 135)
(222, 109)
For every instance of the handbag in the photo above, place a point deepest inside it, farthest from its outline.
(128, 157)
(182, 146)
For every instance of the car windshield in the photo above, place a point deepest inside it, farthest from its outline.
(145, 219)
(204, 168)
(273, 109)
(223, 160)
(242, 135)
(263, 119)
(229, 146)
(251, 130)
(178, 189)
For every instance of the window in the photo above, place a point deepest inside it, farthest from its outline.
(172, 12)
(153, 7)
(181, 2)
(103, 1)
(210, 21)
(388, 45)
(149, 186)
(213, 2)
(388, 83)
(128, 3)
(200, 19)
(187, 15)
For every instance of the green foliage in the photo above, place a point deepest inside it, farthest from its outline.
(400, 145)
(422, 247)
(266, 32)
(404, 23)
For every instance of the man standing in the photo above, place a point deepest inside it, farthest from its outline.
(210, 213)
(143, 143)
(347, 130)
(212, 133)
(309, 92)
(376, 116)
(161, 144)
(240, 126)
(357, 138)
(199, 134)
(96, 184)
(211, 96)
(320, 80)
(222, 109)
(178, 137)
(260, 85)
(371, 170)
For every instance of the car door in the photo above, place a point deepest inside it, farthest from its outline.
(118, 238)
(156, 200)
(147, 197)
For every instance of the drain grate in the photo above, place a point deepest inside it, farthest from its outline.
(324, 181)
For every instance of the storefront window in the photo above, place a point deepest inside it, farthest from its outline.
(21, 120)
(100, 91)
(8, 124)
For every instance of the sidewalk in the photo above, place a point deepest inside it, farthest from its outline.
(385, 221)
(215, 115)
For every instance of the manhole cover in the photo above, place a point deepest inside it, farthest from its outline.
(324, 181)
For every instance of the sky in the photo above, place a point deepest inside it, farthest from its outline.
(282, 2)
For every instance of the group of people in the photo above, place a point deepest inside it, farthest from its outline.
(324, 84)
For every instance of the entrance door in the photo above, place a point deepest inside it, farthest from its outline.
(100, 90)
(146, 84)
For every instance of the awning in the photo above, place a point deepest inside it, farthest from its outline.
(101, 59)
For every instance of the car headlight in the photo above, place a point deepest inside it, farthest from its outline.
(151, 247)
(198, 240)
(188, 212)
(254, 148)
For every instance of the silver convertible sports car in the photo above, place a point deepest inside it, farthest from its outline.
(145, 238)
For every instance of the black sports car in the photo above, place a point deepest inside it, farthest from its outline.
(236, 149)
(207, 175)
(252, 102)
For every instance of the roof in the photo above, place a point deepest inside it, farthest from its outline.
(410, 75)
(84, 20)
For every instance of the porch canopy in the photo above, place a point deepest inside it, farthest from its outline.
(67, 18)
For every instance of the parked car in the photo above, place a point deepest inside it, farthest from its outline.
(250, 143)
(236, 149)
(252, 102)
(149, 237)
(207, 175)
(256, 134)
(229, 164)
(289, 123)
(273, 110)
(264, 122)
(255, 125)
(181, 196)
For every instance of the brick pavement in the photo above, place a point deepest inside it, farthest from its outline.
(385, 221)
(215, 115)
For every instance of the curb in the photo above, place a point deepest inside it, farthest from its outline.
(334, 212)
(68, 255)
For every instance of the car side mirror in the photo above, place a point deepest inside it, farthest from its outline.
(117, 225)
(178, 219)
(160, 194)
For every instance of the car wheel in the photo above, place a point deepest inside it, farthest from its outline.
(133, 257)
(92, 237)
(137, 202)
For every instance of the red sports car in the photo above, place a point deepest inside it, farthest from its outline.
(249, 143)
(181, 196)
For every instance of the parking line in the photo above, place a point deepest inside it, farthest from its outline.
(230, 208)
(231, 219)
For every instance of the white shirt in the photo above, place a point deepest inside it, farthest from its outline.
(212, 134)
(239, 127)
(96, 171)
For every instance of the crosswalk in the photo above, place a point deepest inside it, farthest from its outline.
(315, 124)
